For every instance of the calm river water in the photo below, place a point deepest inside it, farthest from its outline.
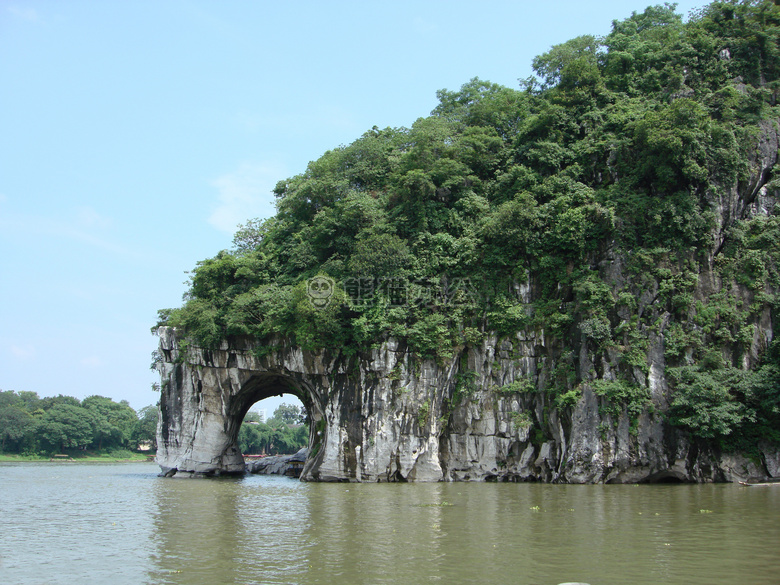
(117, 524)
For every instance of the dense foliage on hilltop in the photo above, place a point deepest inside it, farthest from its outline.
(32, 425)
(618, 148)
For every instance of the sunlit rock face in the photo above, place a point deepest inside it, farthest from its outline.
(485, 412)
(388, 416)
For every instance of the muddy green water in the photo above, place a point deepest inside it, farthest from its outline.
(75, 524)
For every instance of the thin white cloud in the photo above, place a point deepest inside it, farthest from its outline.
(423, 26)
(91, 291)
(320, 117)
(84, 226)
(23, 352)
(23, 13)
(333, 116)
(92, 362)
(244, 194)
(89, 218)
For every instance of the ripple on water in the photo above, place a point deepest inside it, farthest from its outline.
(120, 524)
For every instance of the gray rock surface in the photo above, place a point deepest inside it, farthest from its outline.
(388, 417)
(278, 464)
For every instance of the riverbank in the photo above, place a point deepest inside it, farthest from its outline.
(128, 457)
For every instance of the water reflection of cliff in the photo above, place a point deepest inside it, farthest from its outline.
(269, 530)
(229, 531)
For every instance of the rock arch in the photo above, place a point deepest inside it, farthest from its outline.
(206, 393)
(366, 422)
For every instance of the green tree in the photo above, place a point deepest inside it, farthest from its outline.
(704, 401)
(255, 438)
(66, 426)
(145, 428)
(16, 427)
(380, 255)
(252, 416)
(251, 234)
(289, 414)
(9, 398)
(30, 401)
(571, 64)
(112, 422)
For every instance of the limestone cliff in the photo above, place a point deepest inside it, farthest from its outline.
(388, 416)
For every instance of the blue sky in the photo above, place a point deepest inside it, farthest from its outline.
(135, 136)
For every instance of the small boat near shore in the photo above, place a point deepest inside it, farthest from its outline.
(761, 482)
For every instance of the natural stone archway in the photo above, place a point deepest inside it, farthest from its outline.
(205, 396)
(363, 426)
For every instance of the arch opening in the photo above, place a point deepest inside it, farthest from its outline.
(281, 431)
(666, 477)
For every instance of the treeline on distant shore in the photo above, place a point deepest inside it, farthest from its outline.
(31, 425)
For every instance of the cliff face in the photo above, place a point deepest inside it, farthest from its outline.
(388, 416)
